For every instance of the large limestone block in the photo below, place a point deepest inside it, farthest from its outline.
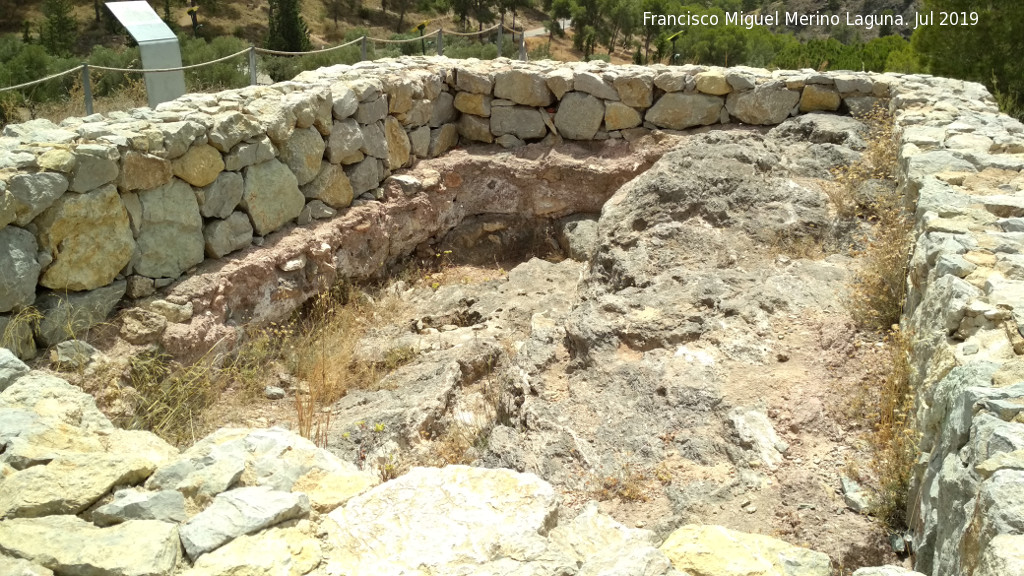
(18, 250)
(599, 545)
(579, 116)
(278, 551)
(57, 160)
(230, 128)
(31, 194)
(69, 484)
(302, 154)
(473, 80)
(344, 101)
(372, 111)
(399, 146)
(522, 122)
(271, 196)
(199, 166)
(141, 171)
(635, 89)
(133, 504)
(443, 110)
(419, 141)
(594, 84)
(259, 149)
(239, 512)
(522, 87)
(717, 551)
(375, 142)
(475, 128)
(618, 116)
(477, 104)
(218, 200)
(89, 237)
(443, 139)
(411, 522)
(769, 103)
(713, 82)
(560, 81)
(331, 186)
(815, 97)
(365, 175)
(275, 115)
(95, 165)
(69, 316)
(1003, 555)
(223, 237)
(171, 234)
(72, 546)
(678, 110)
(18, 567)
(10, 368)
(346, 139)
(178, 137)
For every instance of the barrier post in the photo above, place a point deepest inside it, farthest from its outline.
(499, 41)
(440, 43)
(522, 45)
(252, 65)
(86, 89)
(362, 49)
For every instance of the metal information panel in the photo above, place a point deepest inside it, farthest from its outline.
(157, 45)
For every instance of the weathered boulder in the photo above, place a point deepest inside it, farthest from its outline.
(16, 334)
(372, 111)
(344, 101)
(140, 171)
(679, 111)
(271, 196)
(579, 116)
(419, 141)
(522, 122)
(756, 433)
(399, 146)
(769, 103)
(72, 355)
(375, 141)
(10, 368)
(472, 80)
(559, 81)
(275, 115)
(199, 166)
(133, 504)
(140, 326)
(717, 551)
(179, 136)
(600, 545)
(222, 237)
(95, 165)
(69, 484)
(1003, 555)
(31, 194)
(302, 154)
(171, 235)
(70, 545)
(18, 250)
(283, 551)
(410, 522)
(66, 316)
(18, 567)
(89, 237)
(239, 512)
(331, 186)
(443, 110)
(219, 200)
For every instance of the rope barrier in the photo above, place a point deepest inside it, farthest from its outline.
(41, 80)
(283, 53)
(259, 51)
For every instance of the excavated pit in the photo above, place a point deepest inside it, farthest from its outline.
(680, 353)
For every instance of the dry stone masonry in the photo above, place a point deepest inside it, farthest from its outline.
(103, 209)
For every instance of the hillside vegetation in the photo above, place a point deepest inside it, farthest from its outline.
(41, 37)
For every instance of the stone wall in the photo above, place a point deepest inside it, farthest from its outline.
(100, 209)
(962, 160)
(104, 207)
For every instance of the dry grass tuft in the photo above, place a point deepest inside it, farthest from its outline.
(627, 485)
